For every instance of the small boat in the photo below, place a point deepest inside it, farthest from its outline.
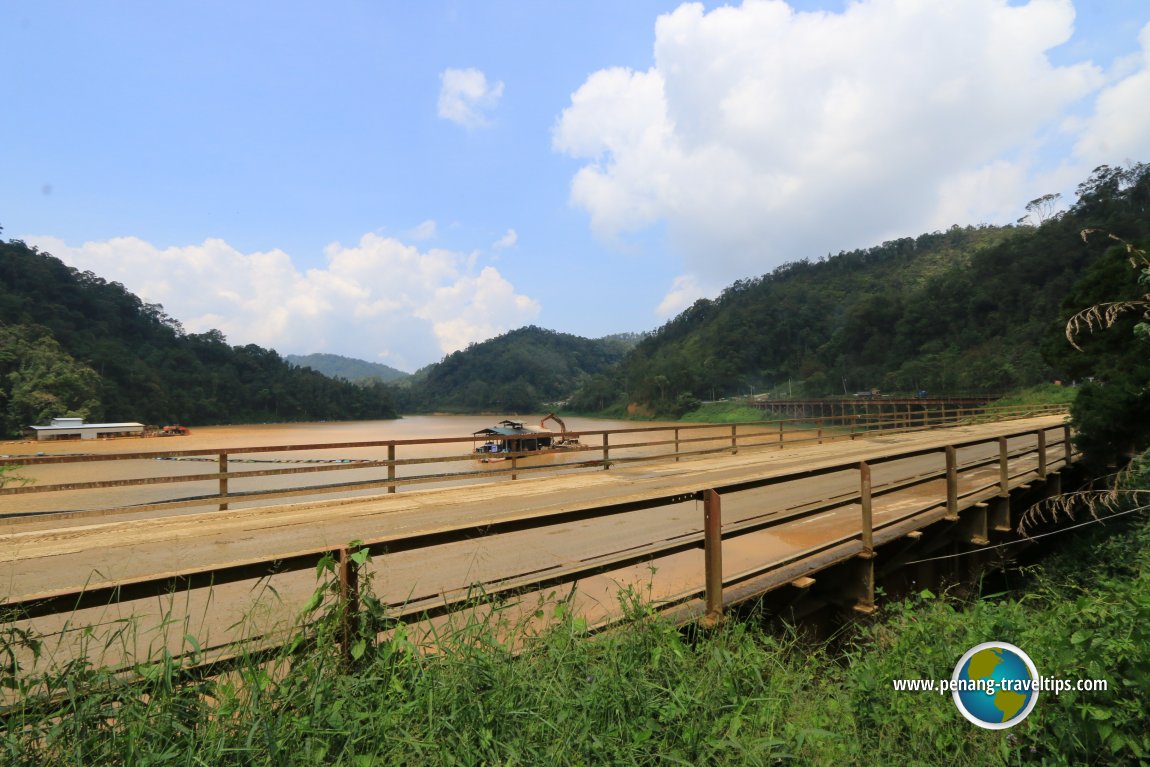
(513, 438)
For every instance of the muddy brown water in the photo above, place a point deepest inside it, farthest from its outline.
(271, 605)
(338, 465)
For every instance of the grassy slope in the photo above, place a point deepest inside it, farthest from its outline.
(724, 412)
(1045, 394)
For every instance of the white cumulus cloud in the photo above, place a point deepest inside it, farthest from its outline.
(684, 291)
(465, 97)
(762, 135)
(380, 300)
(427, 230)
(508, 240)
(1119, 128)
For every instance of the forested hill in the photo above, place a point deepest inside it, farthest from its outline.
(348, 368)
(72, 343)
(521, 371)
(966, 310)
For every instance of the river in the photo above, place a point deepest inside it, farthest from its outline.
(457, 457)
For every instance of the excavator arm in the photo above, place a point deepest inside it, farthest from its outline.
(556, 419)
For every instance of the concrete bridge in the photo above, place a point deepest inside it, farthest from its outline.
(811, 525)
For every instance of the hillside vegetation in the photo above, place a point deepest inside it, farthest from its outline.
(72, 343)
(966, 310)
(521, 371)
(969, 310)
(347, 368)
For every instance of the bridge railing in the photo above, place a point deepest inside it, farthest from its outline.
(992, 466)
(598, 449)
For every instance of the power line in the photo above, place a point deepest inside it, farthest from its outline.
(1028, 538)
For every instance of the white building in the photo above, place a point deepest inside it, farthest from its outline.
(75, 428)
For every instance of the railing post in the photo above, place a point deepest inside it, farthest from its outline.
(780, 435)
(1042, 453)
(1003, 469)
(951, 483)
(606, 453)
(734, 439)
(676, 445)
(1066, 445)
(865, 496)
(223, 463)
(514, 467)
(713, 557)
(348, 601)
(391, 468)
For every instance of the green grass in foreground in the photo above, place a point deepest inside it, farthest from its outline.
(644, 695)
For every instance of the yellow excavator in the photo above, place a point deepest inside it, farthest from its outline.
(565, 441)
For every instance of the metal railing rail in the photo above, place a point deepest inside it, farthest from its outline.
(764, 434)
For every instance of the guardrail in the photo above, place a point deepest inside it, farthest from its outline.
(1015, 461)
(615, 448)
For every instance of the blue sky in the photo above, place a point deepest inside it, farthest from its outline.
(395, 180)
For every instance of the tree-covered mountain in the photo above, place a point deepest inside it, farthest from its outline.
(521, 371)
(975, 309)
(72, 343)
(347, 368)
(966, 310)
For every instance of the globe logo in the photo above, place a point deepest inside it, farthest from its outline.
(995, 685)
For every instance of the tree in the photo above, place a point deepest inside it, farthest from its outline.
(41, 381)
(144, 367)
(1041, 210)
(1112, 413)
(1106, 315)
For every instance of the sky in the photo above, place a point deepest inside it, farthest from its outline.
(393, 181)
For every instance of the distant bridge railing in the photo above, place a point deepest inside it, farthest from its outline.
(599, 449)
(868, 405)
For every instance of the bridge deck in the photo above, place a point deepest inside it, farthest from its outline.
(40, 556)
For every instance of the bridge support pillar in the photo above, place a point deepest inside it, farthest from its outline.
(1000, 517)
(972, 523)
(861, 588)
